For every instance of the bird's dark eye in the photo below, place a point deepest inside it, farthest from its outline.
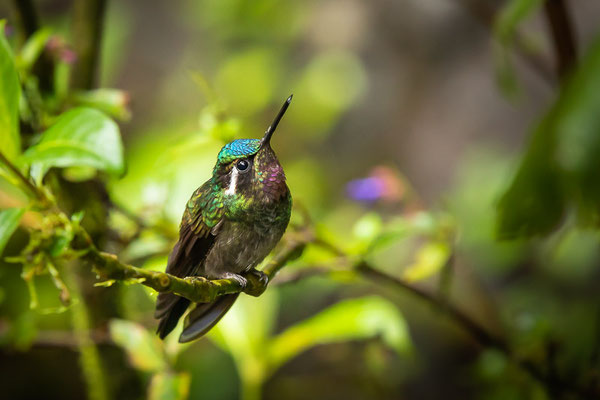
(242, 165)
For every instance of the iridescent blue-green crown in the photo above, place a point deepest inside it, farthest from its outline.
(238, 149)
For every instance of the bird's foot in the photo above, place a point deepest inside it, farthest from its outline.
(258, 282)
(236, 277)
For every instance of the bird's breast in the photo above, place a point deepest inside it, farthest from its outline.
(247, 236)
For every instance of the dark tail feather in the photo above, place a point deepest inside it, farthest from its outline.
(201, 319)
(171, 314)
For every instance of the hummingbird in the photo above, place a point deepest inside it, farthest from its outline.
(230, 224)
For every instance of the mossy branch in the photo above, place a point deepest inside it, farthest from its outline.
(197, 289)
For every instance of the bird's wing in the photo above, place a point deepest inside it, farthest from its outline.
(197, 233)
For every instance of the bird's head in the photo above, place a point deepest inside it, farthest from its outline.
(250, 168)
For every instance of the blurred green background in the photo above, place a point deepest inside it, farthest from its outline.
(419, 139)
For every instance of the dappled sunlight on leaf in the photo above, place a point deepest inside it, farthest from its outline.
(353, 319)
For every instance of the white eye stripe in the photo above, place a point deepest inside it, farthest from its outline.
(232, 182)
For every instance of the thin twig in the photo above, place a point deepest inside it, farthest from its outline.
(27, 184)
(486, 14)
(365, 269)
(480, 334)
(553, 384)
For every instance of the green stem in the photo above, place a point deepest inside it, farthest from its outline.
(88, 18)
(251, 390)
(252, 377)
(91, 364)
(26, 183)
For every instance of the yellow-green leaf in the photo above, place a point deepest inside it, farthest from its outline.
(169, 386)
(511, 14)
(560, 167)
(33, 48)
(114, 102)
(429, 260)
(80, 137)
(9, 221)
(10, 92)
(143, 348)
(347, 320)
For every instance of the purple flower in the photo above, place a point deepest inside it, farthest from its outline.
(383, 183)
(68, 56)
(57, 46)
(366, 190)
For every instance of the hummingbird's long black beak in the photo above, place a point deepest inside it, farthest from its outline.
(269, 132)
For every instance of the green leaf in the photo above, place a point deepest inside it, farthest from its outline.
(111, 101)
(347, 320)
(368, 226)
(506, 77)
(246, 327)
(10, 91)
(244, 333)
(511, 15)
(398, 229)
(9, 221)
(505, 28)
(429, 260)
(365, 231)
(169, 386)
(79, 137)
(33, 48)
(143, 348)
(561, 165)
